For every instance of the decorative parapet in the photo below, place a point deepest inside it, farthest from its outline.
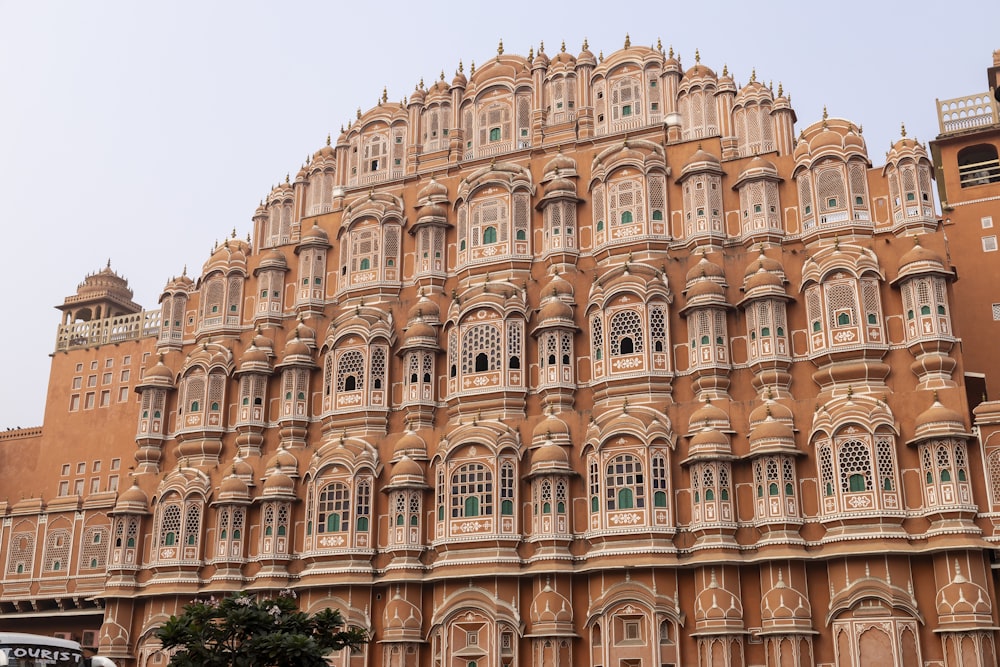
(966, 113)
(108, 330)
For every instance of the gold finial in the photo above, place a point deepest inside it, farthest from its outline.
(109, 262)
(442, 75)
(753, 75)
(562, 47)
(461, 68)
(248, 238)
(472, 70)
(585, 45)
(600, 57)
(902, 129)
(659, 45)
(359, 113)
(184, 271)
(628, 41)
(825, 114)
(531, 53)
(234, 235)
(385, 94)
(697, 56)
(670, 53)
(287, 180)
(421, 84)
(500, 48)
(781, 89)
(541, 48)
(725, 69)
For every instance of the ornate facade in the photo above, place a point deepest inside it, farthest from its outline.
(574, 360)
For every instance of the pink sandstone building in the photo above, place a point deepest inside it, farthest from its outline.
(570, 360)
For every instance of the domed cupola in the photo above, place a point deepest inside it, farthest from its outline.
(551, 614)
(411, 446)
(132, 501)
(718, 609)
(403, 621)
(233, 490)
(963, 603)
(102, 294)
(909, 172)
(785, 609)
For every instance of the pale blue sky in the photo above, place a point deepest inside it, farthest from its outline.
(144, 131)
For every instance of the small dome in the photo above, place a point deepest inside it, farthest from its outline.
(705, 269)
(550, 607)
(419, 330)
(770, 408)
(297, 348)
(434, 191)
(549, 455)
(560, 163)
(782, 606)
(273, 259)
(762, 279)
(550, 428)
(961, 597)
(233, 488)
(434, 210)
(704, 288)
(132, 500)
(560, 185)
(410, 445)
(762, 261)
(407, 468)
(771, 433)
(253, 356)
(401, 616)
(459, 81)
(939, 420)
(554, 309)
(283, 460)
(708, 415)
(424, 310)
(302, 331)
(314, 234)
(709, 443)
(717, 606)
(919, 254)
(278, 483)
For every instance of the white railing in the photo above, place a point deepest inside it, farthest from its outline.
(496, 148)
(108, 330)
(963, 113)
(556, 117)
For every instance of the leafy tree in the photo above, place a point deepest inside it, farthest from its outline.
(245, 631)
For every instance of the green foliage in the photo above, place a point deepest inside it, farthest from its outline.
(244, 631)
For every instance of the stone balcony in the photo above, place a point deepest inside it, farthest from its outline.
(93, 333)
(967, 113)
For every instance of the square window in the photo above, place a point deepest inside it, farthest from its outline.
(472, 638)
(127, 359)
(113, 483)
(95, 484)
(116, 464)
(93, 365)
(986, 221)
(989, 244)
(399, 140)
(105, 398)
(77, 382)
(106, 378)
(88, 401)
(123, 394)
(627, 110)
(78, 487)
(91, 380)
(145, 355)
(96, 466)
(655, 106)
(125, 375)
(652, 83)
(109, 363)
(632, 630)
(81, 468)
(64, 488)
(65, 469)
(79, 367)
(831, 202)
(996, 312)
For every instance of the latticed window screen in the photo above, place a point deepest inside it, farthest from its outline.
(507, 484)
(805, 196)
(170, 525)
(472, 491)
(624, 483)
(626, 333)
(192, 523)
(825, 467)
(351, 371)
(363, 505)
(658, 328)
(595, 484)
(21, 556)
(870, 296)
(482, 339)
(522, 216)
(56, 550)
(885, 456)
(391, 247)
(859, 185)
(658, 466)
(333, 509)
(854, 464)
(378, 367)
(94, 547)
(515, 329)
(830, 190)
(841, 298)
(597, 335)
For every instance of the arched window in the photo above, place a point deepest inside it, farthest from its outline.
(333, 511)
(978, 165)
(624, 483)
(854, 461)
(626, 333)
(472, 491)
(489, 235)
